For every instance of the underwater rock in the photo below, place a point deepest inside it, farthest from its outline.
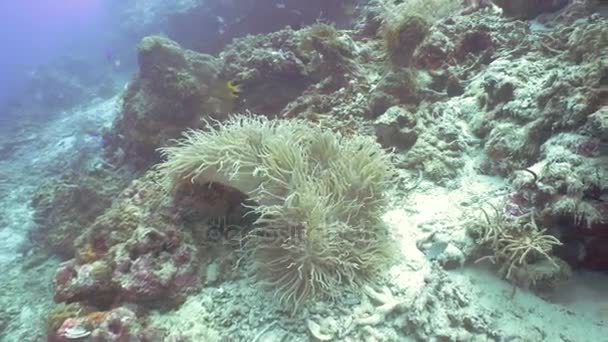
(506, 149)
(175, 89)
(477, 43)
(396, 87)
(317, 70)
(155, 266)
(330, 52)
(451, 257)
(269, 69)
(64, 205)
(596, 252)
(116, 325)
(597, 126)
(395, 128)
(588, 43)
(497, 91)
(434, 158)
(74, 282)
(452, 303)
(542, 277)
(440, 149)
(565, 190)
(402, 36)
(434, 51)
(567, 187)
(126, 255)
(443, 250)
(467, 41)
(454, 86)
(516, 115)
(529, 9)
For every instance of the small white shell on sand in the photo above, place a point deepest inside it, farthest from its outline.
(77, 332)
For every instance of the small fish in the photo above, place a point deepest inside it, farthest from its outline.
(234, 88)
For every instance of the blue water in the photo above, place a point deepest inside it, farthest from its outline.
(38, 32)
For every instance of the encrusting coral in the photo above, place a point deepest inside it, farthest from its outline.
(318, 198)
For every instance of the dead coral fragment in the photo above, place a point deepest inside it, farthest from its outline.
(318, 197)
(388, 304)
(315, 331)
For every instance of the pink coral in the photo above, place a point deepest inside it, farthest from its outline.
(151, 265)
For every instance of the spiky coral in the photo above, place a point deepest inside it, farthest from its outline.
(515, 244)
(319, 197)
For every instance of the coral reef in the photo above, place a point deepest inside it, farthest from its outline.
(443, 301)
(402, 36)
(443, 141)
(315, 71)
(476, 106)
(567, 188)
(65, 205)
(269, 68)
(318, 196)
(174, 89)
(396, 128)
(395, 87)
(525, 113)
(563, 192)
(75, 323)
(134, 252)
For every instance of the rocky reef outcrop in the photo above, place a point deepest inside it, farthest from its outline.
(65, 205)
(130, 253)
(175, 89)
